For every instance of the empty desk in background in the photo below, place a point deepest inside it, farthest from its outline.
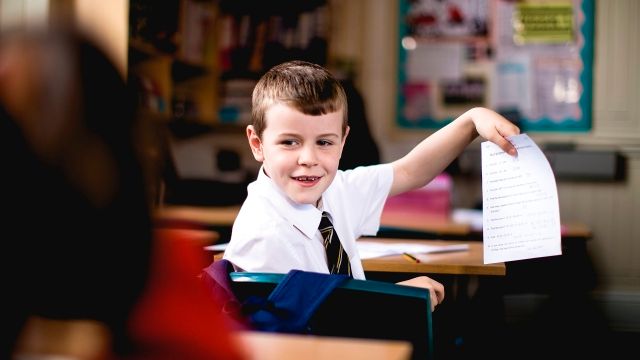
(396, 219)
(202, 215)
(226, 215)
(412, 224)
(217, 218)
(409, 223)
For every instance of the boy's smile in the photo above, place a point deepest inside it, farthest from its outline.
(299, 152)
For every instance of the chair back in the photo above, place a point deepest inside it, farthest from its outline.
(360, 309)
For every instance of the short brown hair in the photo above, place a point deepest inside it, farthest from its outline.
(307, 87)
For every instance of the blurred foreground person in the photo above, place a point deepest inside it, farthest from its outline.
(74, 188)
(78, 233)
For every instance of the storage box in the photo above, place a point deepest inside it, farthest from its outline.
(433, 199)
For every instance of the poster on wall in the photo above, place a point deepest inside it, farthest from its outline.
(529, 60)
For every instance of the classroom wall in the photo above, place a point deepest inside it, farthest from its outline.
(367, 32)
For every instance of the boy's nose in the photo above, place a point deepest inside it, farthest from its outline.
(307, 156)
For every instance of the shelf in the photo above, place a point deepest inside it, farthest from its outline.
(141, 51)
(188, 128)
(197, 61)
(181, 70)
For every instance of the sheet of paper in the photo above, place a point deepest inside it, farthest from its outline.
(217, 247)
(521, 216)
(369, 249)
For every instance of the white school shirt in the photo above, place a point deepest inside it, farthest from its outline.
(273, 234)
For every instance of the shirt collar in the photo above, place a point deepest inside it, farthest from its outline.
(304, 217)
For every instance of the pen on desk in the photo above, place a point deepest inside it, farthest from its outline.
(411, 257)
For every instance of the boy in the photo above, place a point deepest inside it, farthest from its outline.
(298, 132)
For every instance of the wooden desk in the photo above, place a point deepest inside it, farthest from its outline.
(43, 338)
(200, 237)
(83, 339)
(209, 215)
(575, 230)
(468, 262)
(269, 346)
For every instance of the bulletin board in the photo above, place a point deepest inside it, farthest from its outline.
(529, 60)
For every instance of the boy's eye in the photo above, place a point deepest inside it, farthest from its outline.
(324, 143)
(289, 142)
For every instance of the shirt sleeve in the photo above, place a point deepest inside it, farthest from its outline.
(367, 189)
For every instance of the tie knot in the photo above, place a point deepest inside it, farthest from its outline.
(325, 222)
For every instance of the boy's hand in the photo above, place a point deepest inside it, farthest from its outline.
(495, 128)
(436, 290)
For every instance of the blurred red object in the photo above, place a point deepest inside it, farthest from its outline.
(176, 318)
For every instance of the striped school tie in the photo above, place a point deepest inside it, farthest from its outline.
(337, 258)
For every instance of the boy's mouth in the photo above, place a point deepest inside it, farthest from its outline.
(307, 178)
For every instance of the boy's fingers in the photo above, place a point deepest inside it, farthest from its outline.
(505, 145)
(502, 132)
(440, 292)
(437, 294)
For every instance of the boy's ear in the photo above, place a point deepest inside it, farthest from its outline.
(255, 143)
(344, 138)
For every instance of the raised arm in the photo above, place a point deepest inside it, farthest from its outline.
(433, 154)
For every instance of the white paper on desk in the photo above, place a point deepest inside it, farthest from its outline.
(521, 216)
(371, 249)
(217, 247)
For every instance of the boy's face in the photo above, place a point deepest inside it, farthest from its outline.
(299, 152)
